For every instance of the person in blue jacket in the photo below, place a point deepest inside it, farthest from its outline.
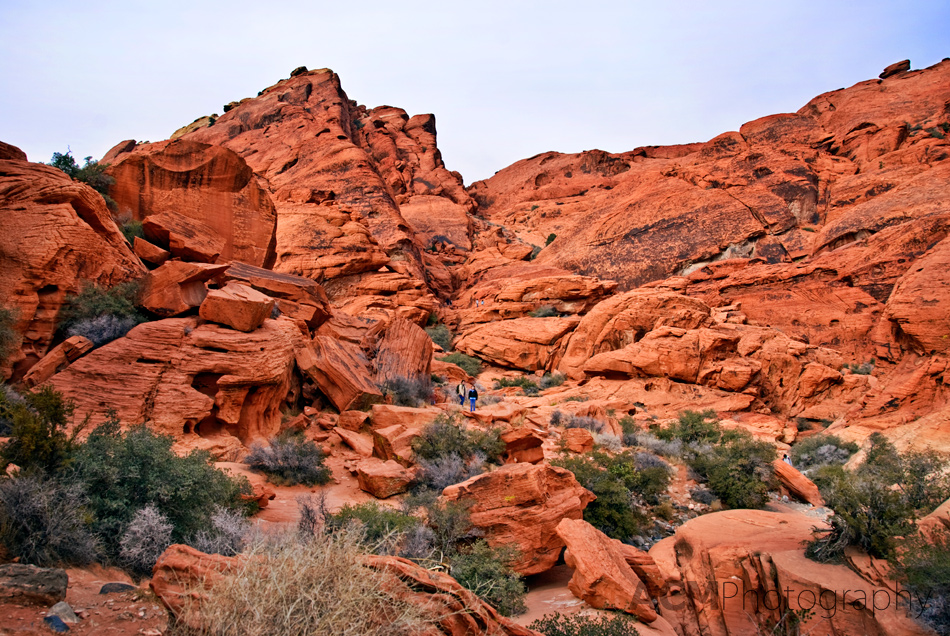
(472, 396)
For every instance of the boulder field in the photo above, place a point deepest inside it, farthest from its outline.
(792, 276)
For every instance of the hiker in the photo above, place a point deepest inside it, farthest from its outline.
(460, 389)
(472, 396)
(787, 459)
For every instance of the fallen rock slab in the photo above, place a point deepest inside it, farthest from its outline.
(29, 584)
(602, 578)
(237, 306)
(382, 479)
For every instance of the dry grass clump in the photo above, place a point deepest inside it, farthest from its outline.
(293, 586)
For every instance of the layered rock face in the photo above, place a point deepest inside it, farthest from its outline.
(340, 174)
(191, 187)
(738, 572)
(57, 235)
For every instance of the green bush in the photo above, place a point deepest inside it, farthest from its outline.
(528, 387)
(381, 528)
(290, 459)
(924, 569)
(583, 625)
(9, 338)
(43, 521)
(739, 469)
(471, 366)
(132, 229)
(552, 379)
(91, 173)
(550, 239)
(123, 472)
(544, 311)
(441, 335)
(446, 436)
(879, 501)
(487, 572)
(618, 481)
(820, 450)
(38, 422)
(101, 314)
(412, 392)
(693, 427)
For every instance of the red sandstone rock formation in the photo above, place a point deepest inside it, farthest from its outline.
(520, 505)
(742, 570)
(199, 189)
(57, 234)
(602, 577)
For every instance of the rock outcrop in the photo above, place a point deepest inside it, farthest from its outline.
(520, 505)
(58, 236)
(198, 193)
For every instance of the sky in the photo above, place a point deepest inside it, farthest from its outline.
(506, 80)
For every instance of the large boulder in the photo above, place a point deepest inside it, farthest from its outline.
(519, 505)
(237, 306)
(177, 287)
(59, 357)
(797, 484)
(341, 372)
(382, 479)
(405, 351)
(297, 297)
(523, 343)
(214, 204)
(185, 379)
(602, 577)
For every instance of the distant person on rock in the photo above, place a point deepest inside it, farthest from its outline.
(460, 389)
(472, 396)
(787, 460)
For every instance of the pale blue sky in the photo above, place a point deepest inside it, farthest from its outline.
(506, 80)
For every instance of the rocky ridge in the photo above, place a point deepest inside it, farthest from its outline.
(791, 275)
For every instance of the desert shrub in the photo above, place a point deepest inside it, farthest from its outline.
(551, 379)
(487, 572)
(863, 368)
(879, 501)
(80, 312)
(693, 426)
(445, 436)
(450, 523)
(544, 311)
(617, 483)
(485, 400)
(628, 425)
(37, 422)
(102, 329)
(290, 459)
(132, 229)
(558, 418)
(550, 239)
(738, 470)
(9, 338)
(43, 521)
(584, 625)
(576, 398)
(123, 472)
(148, 534)
(608, 442)
(441, 472)
(924, 569)
(528, 386)
(442, 336)
(591, 424)
(408, 391)
(227, 535)
(417, 543)
(820, 450)
(381, 528)
(653, 444)
(471, 366)
(91, 173)
(701, 494)
(318, 586)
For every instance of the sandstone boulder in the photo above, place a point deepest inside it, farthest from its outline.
(362, 444)
(602, 577)
(212, 197)
(149, 252)
(177, 287)
(577, 440)
(353, 420)
(186, 379)
(523, 445)
(523, 343)
(520, 505)
(917, 303)
(382, 479)
(405, 351)
(57, 359)
(797, 484)
(297, 297)
(341, 371)
(236, 306)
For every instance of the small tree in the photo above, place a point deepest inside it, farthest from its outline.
(92, 173)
